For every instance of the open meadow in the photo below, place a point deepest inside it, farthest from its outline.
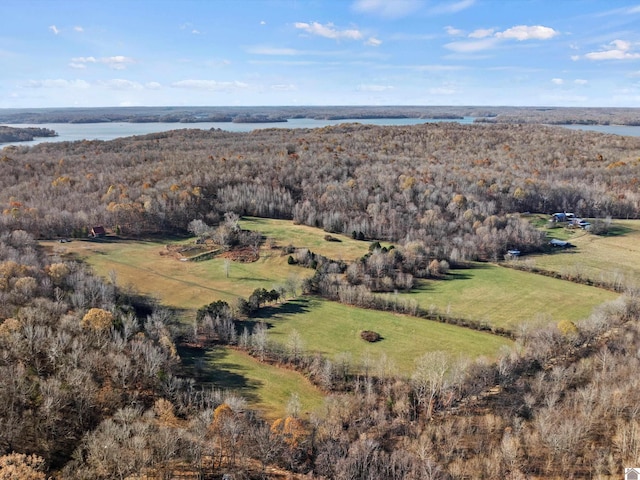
(187, 286)
(487, 293)
(266, 387)
(285, 232)
(504, 297)
(610, 258)
(184, 285)
(333, 329)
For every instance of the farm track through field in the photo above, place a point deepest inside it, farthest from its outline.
(168, 277)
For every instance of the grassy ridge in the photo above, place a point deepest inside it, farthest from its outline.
(503, 297)
(331, 328)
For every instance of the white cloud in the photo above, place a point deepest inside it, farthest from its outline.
(386, 8)
(56, 83)
(454, 7)
(557, 81)
(481, 33)
(526, 32)
(374, 88)
(153, 85)
(472, 46)
(54, 29)
(616, 50)
(328, 31)
(485, 39)
(195, 32)
(117, 62)
(580, 81)
(78, 29)
(453, 31)
(84, 60)
(211, 85)
(620, 11)
(121, 84)
(373, 42)
(262, 22)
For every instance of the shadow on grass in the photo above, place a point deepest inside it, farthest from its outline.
(455, 275)
(251, 279)
(210, 368)
(615, 231)
(459, 273)
(292, 307)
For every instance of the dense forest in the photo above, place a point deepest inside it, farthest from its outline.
(455, 189)
(90, 379)
(493, 114)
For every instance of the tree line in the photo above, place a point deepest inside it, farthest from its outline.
(455, 189)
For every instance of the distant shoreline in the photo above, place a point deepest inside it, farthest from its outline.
(485, 114)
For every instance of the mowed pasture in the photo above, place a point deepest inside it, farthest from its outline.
(333, 329)
(611, 258)
(184, 285)
(285, 232)
(488, 293)
(505, 297)
(190, 285)
(267, 388)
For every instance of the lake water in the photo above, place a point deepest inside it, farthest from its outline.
(625, 130)
(70, 132)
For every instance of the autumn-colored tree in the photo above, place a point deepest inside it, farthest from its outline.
(290, 429)
(18, 466)
(58, 272)
(164, 411)
(97, 319)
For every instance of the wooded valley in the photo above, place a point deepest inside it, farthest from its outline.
(92, 383)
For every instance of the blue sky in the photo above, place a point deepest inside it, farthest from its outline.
(86, 53)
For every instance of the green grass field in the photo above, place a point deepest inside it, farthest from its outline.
(285, 232)
(600, 257)
(499, 296)
(185, 285)
(331, 328)
(504, 297)
(266, 387)
(190, 285)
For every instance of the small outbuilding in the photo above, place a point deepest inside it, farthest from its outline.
(98, 231)
(554, 242)
(562, 217)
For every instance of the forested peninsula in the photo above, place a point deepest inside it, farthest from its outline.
(11, 134)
